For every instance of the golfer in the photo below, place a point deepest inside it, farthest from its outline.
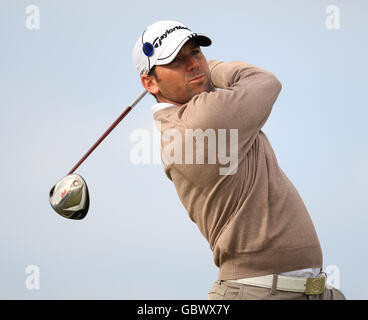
(262, 237)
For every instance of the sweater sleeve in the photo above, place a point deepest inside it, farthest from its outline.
(244, 103)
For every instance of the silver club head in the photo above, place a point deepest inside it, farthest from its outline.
(69, 197)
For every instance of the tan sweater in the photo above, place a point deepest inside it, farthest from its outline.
(254, 219)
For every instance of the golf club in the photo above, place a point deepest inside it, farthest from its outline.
(69, 197)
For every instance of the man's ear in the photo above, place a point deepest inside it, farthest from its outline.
(150, 84)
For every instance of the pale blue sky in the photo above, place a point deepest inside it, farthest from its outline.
(63, 85)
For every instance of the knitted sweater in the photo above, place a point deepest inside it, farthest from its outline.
(242, 202)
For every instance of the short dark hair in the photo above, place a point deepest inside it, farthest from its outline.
(152, 72)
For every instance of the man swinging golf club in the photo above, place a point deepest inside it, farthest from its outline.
(262, 237)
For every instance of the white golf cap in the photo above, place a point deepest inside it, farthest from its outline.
(161, 42)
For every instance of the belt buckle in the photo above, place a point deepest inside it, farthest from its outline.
(315, 285)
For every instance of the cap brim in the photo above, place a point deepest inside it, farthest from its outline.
(172, 50)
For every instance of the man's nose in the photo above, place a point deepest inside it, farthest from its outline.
(192, 63)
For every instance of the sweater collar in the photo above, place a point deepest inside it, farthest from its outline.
(163, 105)
(160, 106)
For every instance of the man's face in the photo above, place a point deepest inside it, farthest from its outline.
(183, 78)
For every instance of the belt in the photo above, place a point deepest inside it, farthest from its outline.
(308, 286)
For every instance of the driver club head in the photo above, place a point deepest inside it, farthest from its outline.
(69, 197)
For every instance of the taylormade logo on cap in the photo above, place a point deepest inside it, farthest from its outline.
(161, 42)
(158, 41)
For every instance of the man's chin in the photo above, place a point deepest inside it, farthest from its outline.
(203, 88)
